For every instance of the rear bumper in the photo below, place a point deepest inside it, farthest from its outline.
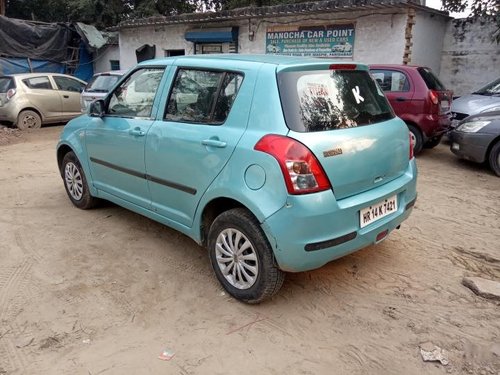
(470, 146)
(312, 230)
(435, 125)
(8, 113)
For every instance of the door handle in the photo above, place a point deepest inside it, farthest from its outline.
(213, 142)
(137, 132)
(400, 99)
(66, 96)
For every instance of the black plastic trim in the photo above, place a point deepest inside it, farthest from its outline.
(330, 243)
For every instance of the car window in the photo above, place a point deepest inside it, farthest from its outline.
(492, 88)
(68, 84)
(432, 82)
(102, 83)
(6, 83)
(202, 96)
(135, 96)
(331, 99)
(391, 80)
(38, 83)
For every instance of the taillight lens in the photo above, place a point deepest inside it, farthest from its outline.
(434, 97)
(412, 144)
(302, 172)
(11, 93)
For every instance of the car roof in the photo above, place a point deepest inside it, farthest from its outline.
(112, 73)
(37, 74)
(260, 59)
(395, 66)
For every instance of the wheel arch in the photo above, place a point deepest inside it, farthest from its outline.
(38, 112)
(214, 208)
(62, 150)
(490, 146)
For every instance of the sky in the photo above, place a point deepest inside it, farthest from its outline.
(436, 4)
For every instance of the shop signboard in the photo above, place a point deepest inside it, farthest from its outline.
(324, 40)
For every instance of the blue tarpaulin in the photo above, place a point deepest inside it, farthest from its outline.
(13, 65)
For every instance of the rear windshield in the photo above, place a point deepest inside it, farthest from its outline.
(331, 99)
(491, 89)
(102, 83)
(6, 83)
(432, 82)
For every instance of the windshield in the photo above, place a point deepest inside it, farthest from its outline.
(6, 83)
(331, 99)
(102, 83)
(490, 89)
(432, 82)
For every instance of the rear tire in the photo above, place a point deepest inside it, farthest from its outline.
(494, 158)
(242, 258)
(417, 139)
(75, 182)
(28, 120)
(433, 142)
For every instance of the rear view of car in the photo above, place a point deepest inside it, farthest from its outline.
(99, 86)
(275, 164)
(419, 99)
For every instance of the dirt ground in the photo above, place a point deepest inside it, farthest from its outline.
(106, 291)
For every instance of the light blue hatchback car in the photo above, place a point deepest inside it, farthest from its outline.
(275, 164)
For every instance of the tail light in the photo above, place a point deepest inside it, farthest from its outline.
(11, 93)
(302, 172)
(434, 97)
(412, 144)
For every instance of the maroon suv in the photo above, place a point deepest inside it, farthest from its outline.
(419, 98)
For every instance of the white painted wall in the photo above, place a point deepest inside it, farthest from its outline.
(103, 57)
(428, 36)
(378, 36)
(470, 59)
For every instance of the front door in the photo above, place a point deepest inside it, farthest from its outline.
(115, 141)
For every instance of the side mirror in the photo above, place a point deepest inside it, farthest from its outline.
(96, 108)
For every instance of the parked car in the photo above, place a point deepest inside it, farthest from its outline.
(477, 138)
(419, 99)
(486, 99)
(273, 163)
(29, 100)
(99, 86)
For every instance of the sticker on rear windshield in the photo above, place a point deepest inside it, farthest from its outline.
(357, 96)
(318, 90)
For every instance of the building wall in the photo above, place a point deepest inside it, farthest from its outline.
(470, 59)
(428, 36)
(377, 39)
(103, 57)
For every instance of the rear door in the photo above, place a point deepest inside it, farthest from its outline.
(41, 94)
(397, 87)
(345, 120)
(202, 125)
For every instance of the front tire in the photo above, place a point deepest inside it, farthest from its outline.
(75, 182)
(242, 258)
(28, 120)
(494, 158)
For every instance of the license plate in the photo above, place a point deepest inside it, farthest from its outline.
(377, 211)
(445, 104)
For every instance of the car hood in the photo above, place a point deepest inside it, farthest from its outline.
(473, 103)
